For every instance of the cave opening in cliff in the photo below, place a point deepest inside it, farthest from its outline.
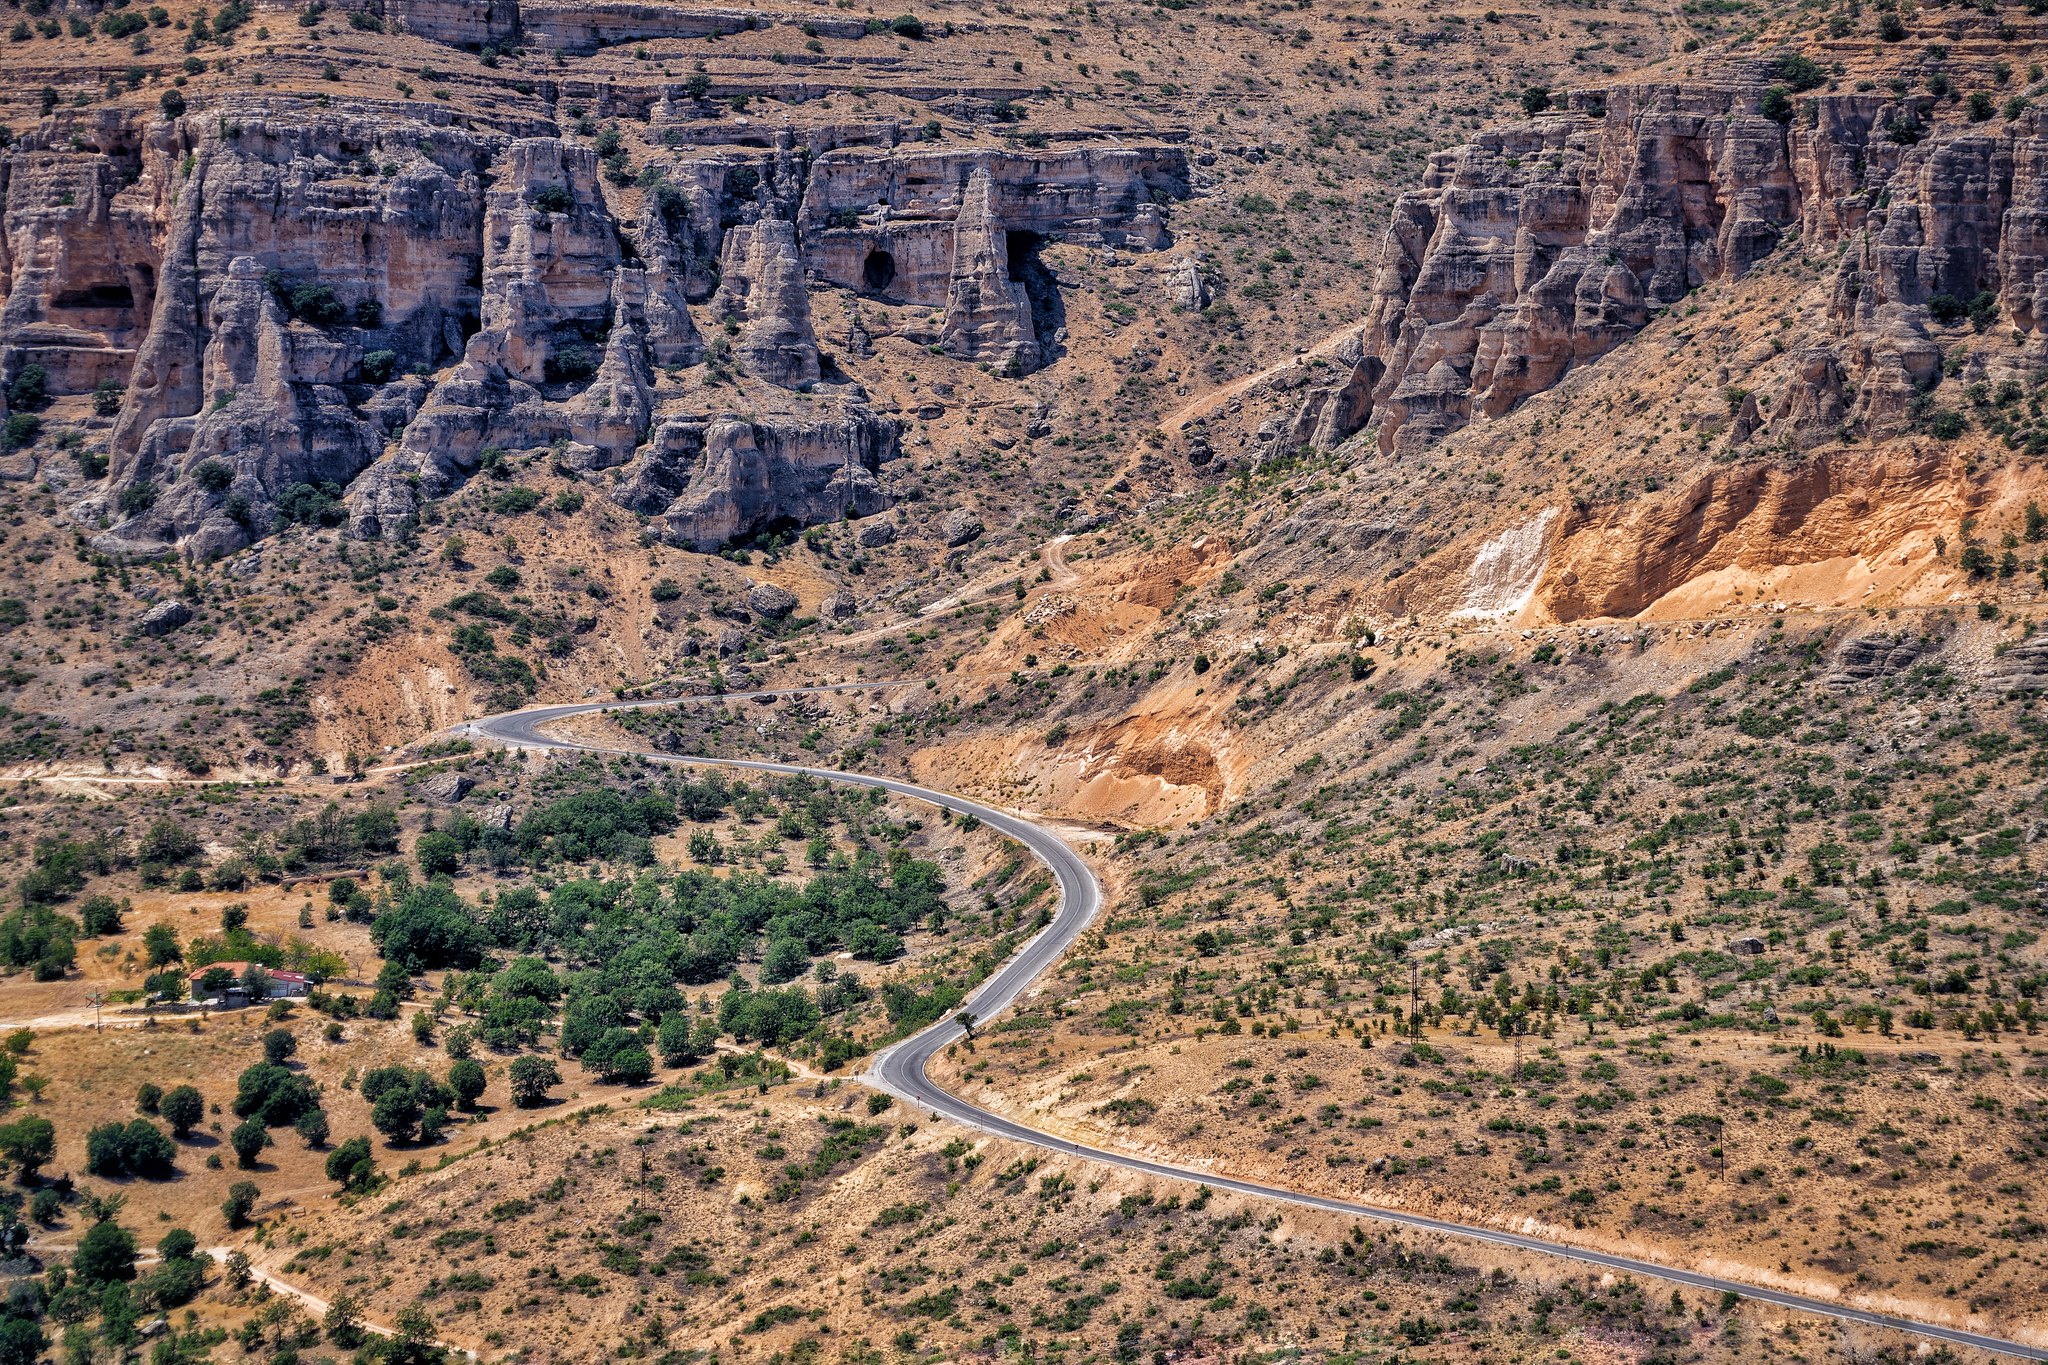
(1023, 253)
(96, 296)
(878, 271)
(1048, 308)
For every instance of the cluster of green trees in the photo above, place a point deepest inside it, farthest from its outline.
(100, 1278)
(630, 943)
(137, 1147)
(409, 1105)
(694, 927)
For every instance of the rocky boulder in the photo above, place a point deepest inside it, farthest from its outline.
(163, 618)
(958, 527)
(771, 600)
(446, 789)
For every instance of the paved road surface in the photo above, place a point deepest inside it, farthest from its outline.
(900, 1070)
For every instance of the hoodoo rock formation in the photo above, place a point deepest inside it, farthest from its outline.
(318, 313)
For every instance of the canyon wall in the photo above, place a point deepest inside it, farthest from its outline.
(1539, 247)
(343, 313)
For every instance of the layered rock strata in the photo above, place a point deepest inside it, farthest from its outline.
(1538, 248)
(314, 313)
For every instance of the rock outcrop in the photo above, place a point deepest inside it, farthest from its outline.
(315, 313)
(988, 311)
(708, 480)
(763, 292)
(272, 417)
(1538, 248)
(1869, 658)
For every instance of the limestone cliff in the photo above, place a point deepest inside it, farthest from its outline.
(306, 311)
(1538, 248)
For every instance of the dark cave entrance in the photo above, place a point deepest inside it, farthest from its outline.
(1048, 309)
(878, 271)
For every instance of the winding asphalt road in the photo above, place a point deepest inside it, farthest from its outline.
(900, 1069)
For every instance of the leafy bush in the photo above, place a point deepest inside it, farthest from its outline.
(135, 1148)
(553, 199)
(1800, 72)
(316, 304)
(570, 363)
(272, 1095)
(430, 928)
(531, 1078)
(100, 916)
(308, 505)
(30, 387)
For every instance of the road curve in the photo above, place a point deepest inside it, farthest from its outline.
(900, 1069)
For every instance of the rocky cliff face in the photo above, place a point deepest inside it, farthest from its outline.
(1539, 248)
(707, 479)
(322, 313)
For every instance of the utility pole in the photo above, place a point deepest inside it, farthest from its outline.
(95, 998)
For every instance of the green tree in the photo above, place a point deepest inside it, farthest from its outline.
(531, 1077)
(249, 1138)
(678, 1046)
(21, 1342)
(160, 941)
(396, 1115)
(312, 1127)
(438, 853)
(344, 1322)
(413, 1341)
(274, 1095)
(242, 1196)
(278, 1044)
(28, 1143)
(182, 1107)
(99, 916)
(352, 1166)
(166, 841)
(105, 1254)
(466, 1079)
(786, 959)
(430, 928)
